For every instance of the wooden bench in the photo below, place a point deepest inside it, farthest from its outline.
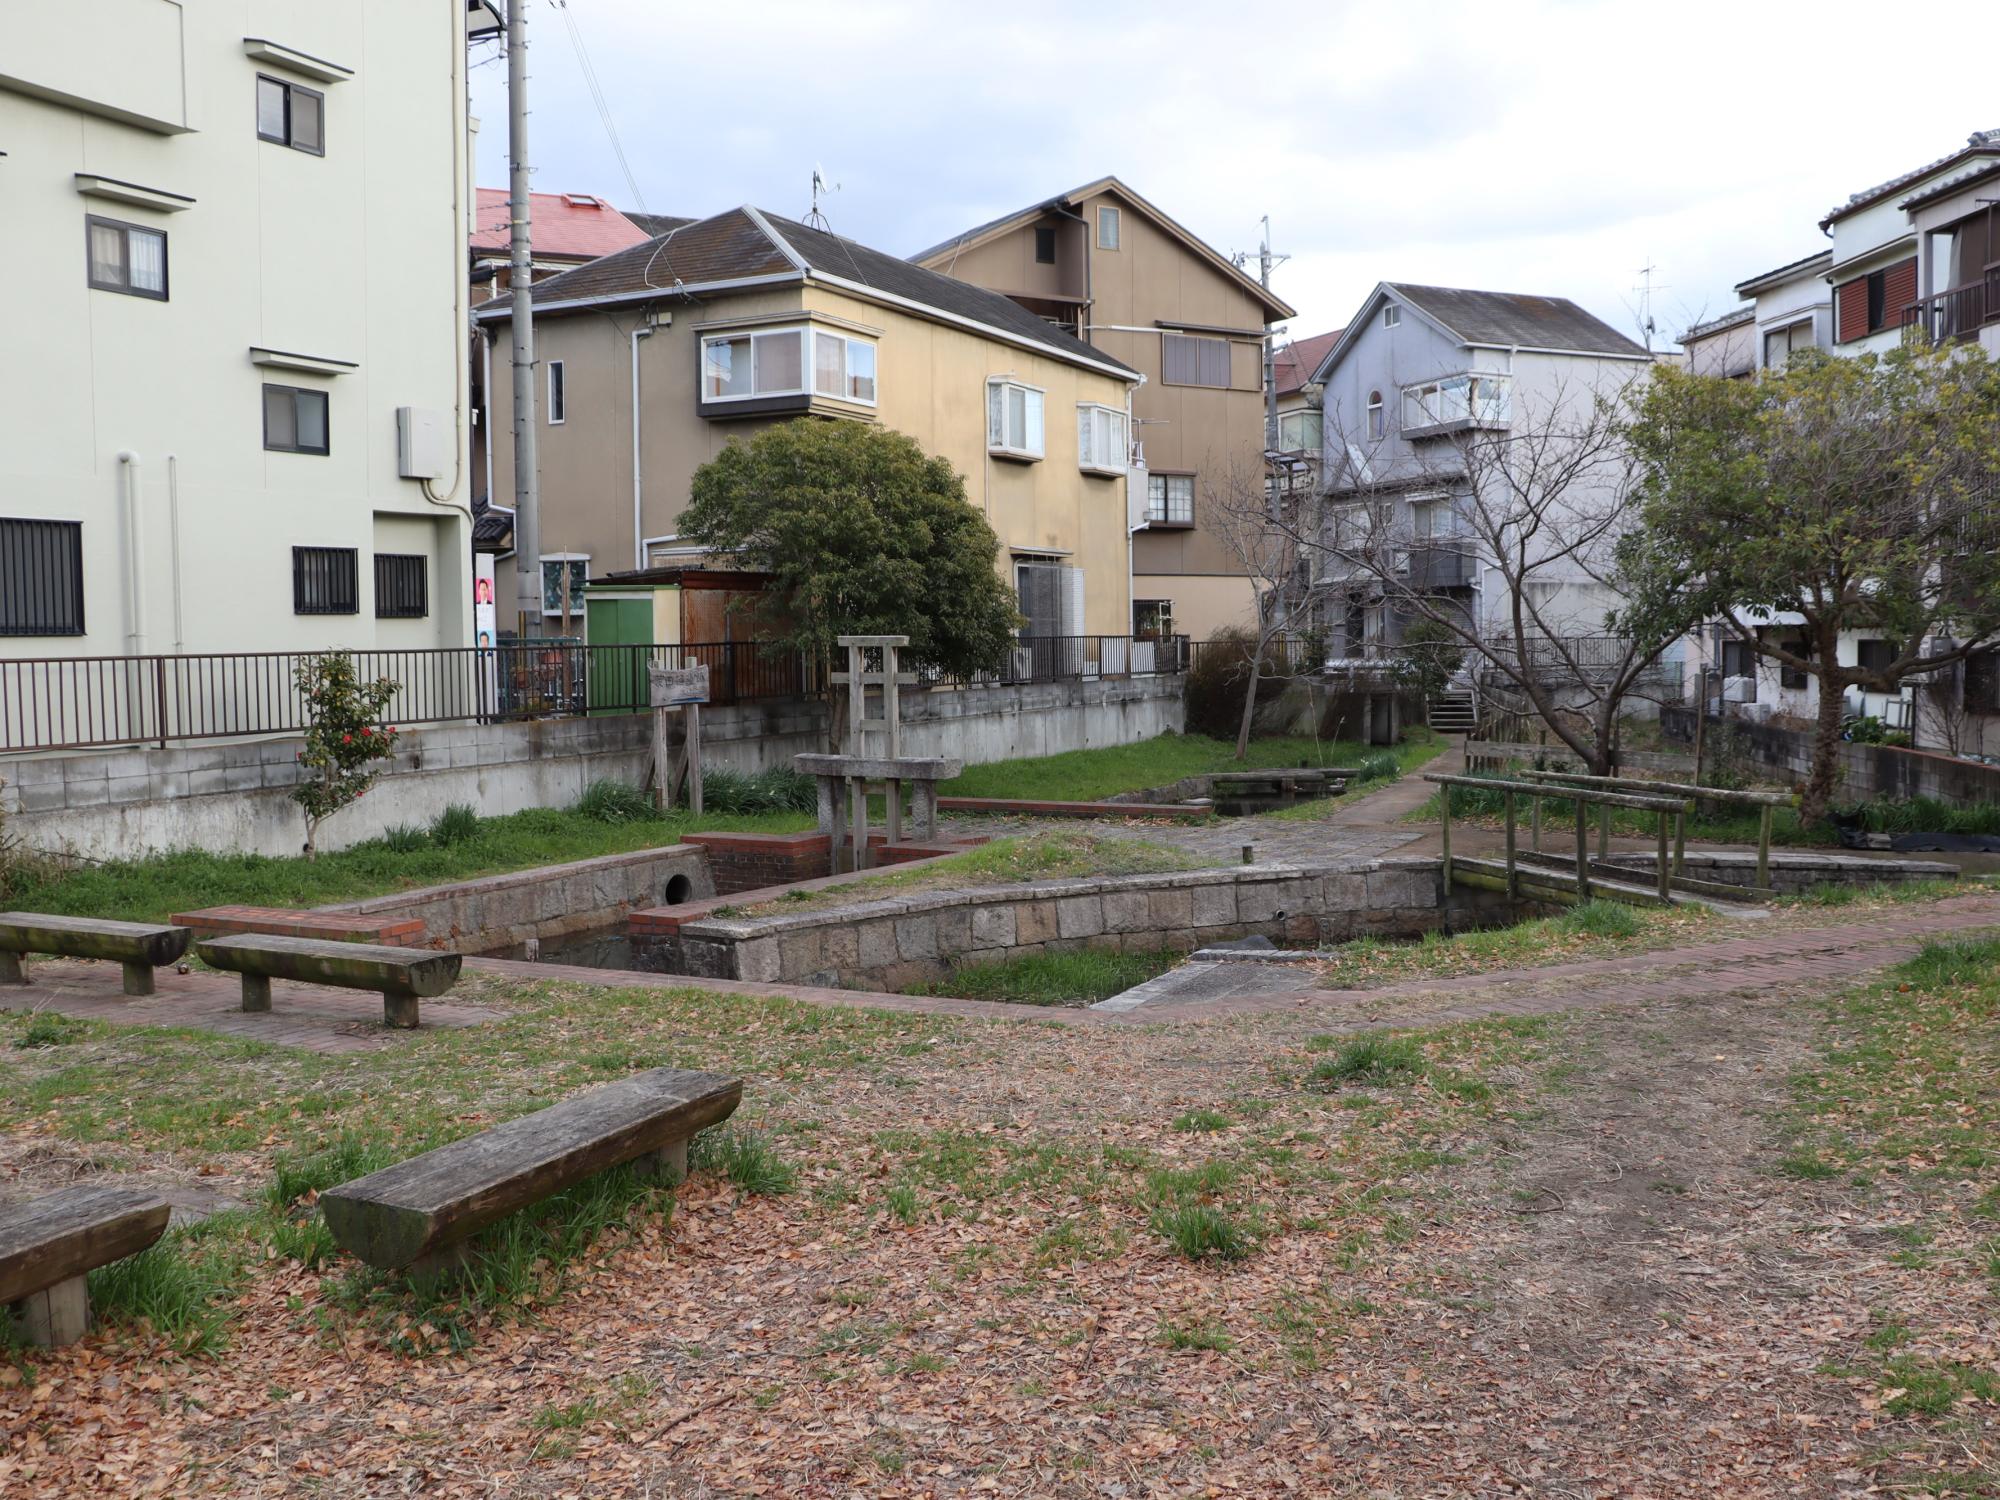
(140, 946)
(401, 975)
(49, 1245)
(418, 1213)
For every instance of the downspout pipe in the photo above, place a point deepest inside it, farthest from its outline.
(643, 331)
(174, 545)
(135, 553)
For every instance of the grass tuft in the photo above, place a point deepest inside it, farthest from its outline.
(1201, 1120)
(404, 838)
(744, 1157)
(608, 801)
(1200, 1232)
(175, 1288)
(1376, 1058)
(1207, 1335)
(457, 824)
(1599, 918)
(48, 1028)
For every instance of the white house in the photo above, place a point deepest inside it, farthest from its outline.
(1418, 374)
(233, 415)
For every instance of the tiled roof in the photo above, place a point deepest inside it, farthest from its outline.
(570, 226)
(1955, 183)
(1979, 140)
(1293, 365)
(734, 246)
(1736, 317)
(1510, 319)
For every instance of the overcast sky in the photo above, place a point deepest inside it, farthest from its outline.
(1550, 146)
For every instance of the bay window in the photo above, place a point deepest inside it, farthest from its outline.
(1100, 439)
(1014, 419)
(843, 368)
(741, 366)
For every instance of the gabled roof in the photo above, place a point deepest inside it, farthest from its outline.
(1979, 143)
(1957, 183)
(748, 246)
(569, 226)
(1277, 308)
(1814, 264)
(655, 224)
(1292, 366)
(1494, 320)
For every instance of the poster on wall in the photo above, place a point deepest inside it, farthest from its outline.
(485, 626)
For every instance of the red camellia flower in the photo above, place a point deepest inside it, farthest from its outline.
(366, 731)
(347, 739)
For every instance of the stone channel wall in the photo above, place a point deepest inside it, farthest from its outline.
(1771, 752)
(235, 796)
(893, 943)
(504, 911)
(1792, 872)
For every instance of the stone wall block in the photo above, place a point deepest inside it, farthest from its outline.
(993, 927)
(1214, 905)
(1079, 916)
(1126, 911)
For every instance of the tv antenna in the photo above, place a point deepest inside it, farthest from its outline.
(814, 217)
(1645, 289)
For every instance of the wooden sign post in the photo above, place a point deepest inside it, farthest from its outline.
(680, 690)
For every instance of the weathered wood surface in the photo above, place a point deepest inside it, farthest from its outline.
(92, 937)
(420, 1206)
(1564, 790)
(71, 1231)
(354, 966)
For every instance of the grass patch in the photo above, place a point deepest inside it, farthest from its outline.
(153, 888)
(1058, 855)
(1208, 1336)
(744, 1157)
(48, 1028)
(1374, 1058)
(176, 1288)
(1080, 978)
(1201, 1120)
(1201, 1232)
(1597, 927)
(1087, 775)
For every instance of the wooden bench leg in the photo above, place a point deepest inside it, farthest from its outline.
(55, 1316)
(13, 968)
(440, 1262)
(138, 979)
(256, 992)
(669, 1163)
(399, 1011)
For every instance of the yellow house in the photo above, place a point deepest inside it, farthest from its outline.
(653, 358)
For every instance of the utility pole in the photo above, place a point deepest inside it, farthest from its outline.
(521, 324)
(1264, 264)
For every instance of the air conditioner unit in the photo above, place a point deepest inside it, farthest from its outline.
(423, 442)
(1739, 690)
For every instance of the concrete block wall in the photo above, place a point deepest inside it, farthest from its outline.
(891, 944)
(234, 796)
(1771, 752)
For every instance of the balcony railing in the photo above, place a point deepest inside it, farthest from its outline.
(82, 702)
(1956, 313)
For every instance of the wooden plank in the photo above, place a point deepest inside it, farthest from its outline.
(417, 1207)
(355, 966)
(92, 937)
(881, 767)
(71, 1231)
(1579, 794)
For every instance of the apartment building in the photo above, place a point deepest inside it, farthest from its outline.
(235, 241)
(1112, 270)
(1917, 254)
(669, 350)
(1420, 373)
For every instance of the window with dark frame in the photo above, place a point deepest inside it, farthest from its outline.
(1190, 360)
(128, 258)
(402, 586)
(291, 115)
(41, 577)
(558, 393)
(1045, 245)
(325, 581)
(1170, 499)
(1982, 682)
(1875, 655)
(1794, 677)
(295, 420)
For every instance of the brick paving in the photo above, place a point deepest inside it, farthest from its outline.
(311, 1017)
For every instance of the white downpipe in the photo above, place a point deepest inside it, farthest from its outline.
(135, 552)
(174, 543)
(461, 316)
(638, 479)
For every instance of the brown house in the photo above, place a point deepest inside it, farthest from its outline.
(1105, 265)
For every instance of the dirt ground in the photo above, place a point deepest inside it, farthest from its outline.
(1561, 1262)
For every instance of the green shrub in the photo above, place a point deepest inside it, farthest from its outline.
(1922, 815)
(615, 802)
(1202, 1233)
(775, 789)
(457, 824)
(1380, 766)
(1372, 1058)
(1218, 679)
(404, 838)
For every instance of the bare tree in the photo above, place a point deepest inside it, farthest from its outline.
(1261, 517)
(1529, 502)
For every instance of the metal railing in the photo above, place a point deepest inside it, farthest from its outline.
(1956, 312)
(81, 702)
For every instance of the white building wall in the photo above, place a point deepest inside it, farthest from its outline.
(356, 255)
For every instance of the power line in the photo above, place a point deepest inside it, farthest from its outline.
(597, 97)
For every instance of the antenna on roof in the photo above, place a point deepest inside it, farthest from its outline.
(1645, 289)
(813, 217)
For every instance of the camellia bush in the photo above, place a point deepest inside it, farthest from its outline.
(345, 738)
